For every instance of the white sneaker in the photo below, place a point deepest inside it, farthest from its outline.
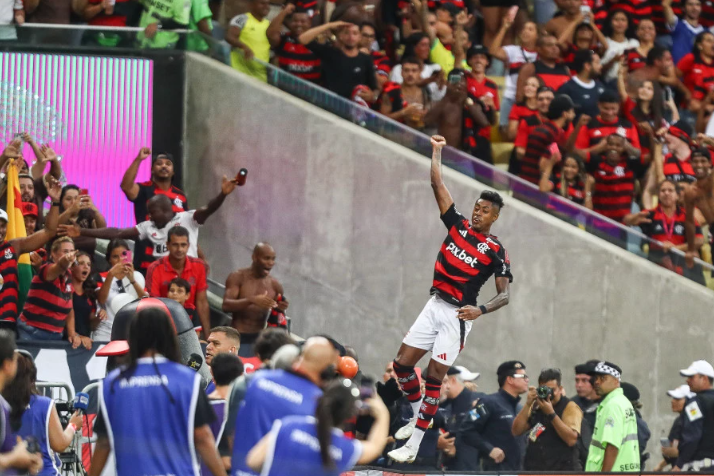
(405, 454)
(407, 430)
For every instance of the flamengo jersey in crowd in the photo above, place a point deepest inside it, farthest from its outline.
(466, 260)
(148, 190)
(127, 403)
(8, 282)
(553, 77)
(295, 58)
(596, 130)
(271, 396)
(678, 170)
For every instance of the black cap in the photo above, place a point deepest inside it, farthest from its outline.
(164, 155)
(630, 391)
(587, 367)
(510, 367)
(606, 368)
(478, 50)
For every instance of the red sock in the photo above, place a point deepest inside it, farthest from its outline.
(409, 381)
(430, 403)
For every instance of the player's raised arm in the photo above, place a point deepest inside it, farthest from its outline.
(443, 197)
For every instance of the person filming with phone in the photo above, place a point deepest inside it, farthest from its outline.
(552, 422)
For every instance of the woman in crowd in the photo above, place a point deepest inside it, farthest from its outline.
(580, 36)
(84, 297)
(121, 278)
(35, 416)
(646, 33)
(514, 56)
(572, 182)
(529, 107)
(279, 453)
(80, 209)
(616, 29)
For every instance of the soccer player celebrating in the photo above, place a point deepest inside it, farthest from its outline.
(468, 257)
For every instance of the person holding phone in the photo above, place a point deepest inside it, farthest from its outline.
(315, 446)
(76, 206)
(670, 444)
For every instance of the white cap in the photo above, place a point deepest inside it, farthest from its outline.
(698, 367)
(466, 374)
(681, 392)
(3, 215)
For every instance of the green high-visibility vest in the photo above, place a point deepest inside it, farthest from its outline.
(616, 425)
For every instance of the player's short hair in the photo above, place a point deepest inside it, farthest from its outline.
(182, 283)
(226, 367)
(546, 375)
(230, 332)
(492, 197)
(177, 231)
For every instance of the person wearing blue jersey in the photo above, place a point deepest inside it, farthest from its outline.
(153, 415)
(276, 394)
(13, 450)
(33, 416)
(315, 445)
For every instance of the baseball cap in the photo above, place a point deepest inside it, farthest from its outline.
(3, 215)
(29, 209)
(463, 372)
(698, 367)
(681, 392)
(510, 367)
(478, 50)
(606, 368)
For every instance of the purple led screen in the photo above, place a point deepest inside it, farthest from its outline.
(94, 111)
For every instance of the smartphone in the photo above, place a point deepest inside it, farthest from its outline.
(512, 12)
(455, 79)
(126, 256)
(83, 191)
(665, 443)
(584, 9)
(241, 177)
(553, 149)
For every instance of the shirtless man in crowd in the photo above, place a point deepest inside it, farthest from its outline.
(251, 294)
(700, 195)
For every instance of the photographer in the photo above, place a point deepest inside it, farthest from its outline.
(35, 417)
(553, 422)
(313, 446)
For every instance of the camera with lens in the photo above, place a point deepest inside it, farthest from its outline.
(544, 392)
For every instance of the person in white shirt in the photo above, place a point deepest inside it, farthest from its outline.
(162, 219)
(616, 30)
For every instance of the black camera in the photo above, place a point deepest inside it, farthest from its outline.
(544, 393)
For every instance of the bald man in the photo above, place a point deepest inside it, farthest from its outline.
(275, 394)
(251, 294)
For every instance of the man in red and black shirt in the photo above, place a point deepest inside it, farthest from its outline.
(592, 138)
(547, 138)
(48, 311)
(162, 172)
(293, 56)
(614, 171)
(468, 257)
(485, 90)
(636, 10)
(526, 126)
(177, 264)
(677, 164)
(547, 67)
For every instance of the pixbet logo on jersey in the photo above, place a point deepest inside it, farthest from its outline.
(462, 255)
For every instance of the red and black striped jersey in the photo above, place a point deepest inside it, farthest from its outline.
(575, 191)
(703, 82)
(568, 56)
(466, 260)
(526, 126)
(634, 60)
(9, 285)
(521, 111)
(663, 228)
(636, 10)
(297, 59)
(539, 142)
(695, 70)
(678, 170)
(597, 129)
(658, 15)
(48, 302)
(599, 9)
(478, 89)
(707, 17)
(147, 190)
(614, 188)
(554, 77)
(309, 6)
(381, 62)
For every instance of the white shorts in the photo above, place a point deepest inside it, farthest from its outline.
(439, 330)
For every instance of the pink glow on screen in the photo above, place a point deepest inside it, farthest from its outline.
(94, 111)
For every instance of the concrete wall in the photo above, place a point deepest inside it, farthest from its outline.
(357, 230)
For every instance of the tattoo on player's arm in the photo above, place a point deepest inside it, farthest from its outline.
(501, 299)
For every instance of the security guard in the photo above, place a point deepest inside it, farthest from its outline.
(696, 448)
(487, 428)
(459, 402)
(614, 445)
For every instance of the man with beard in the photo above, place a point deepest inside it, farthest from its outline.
(584, 88)
(293, 56)
(344, 67)
(251, 295)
